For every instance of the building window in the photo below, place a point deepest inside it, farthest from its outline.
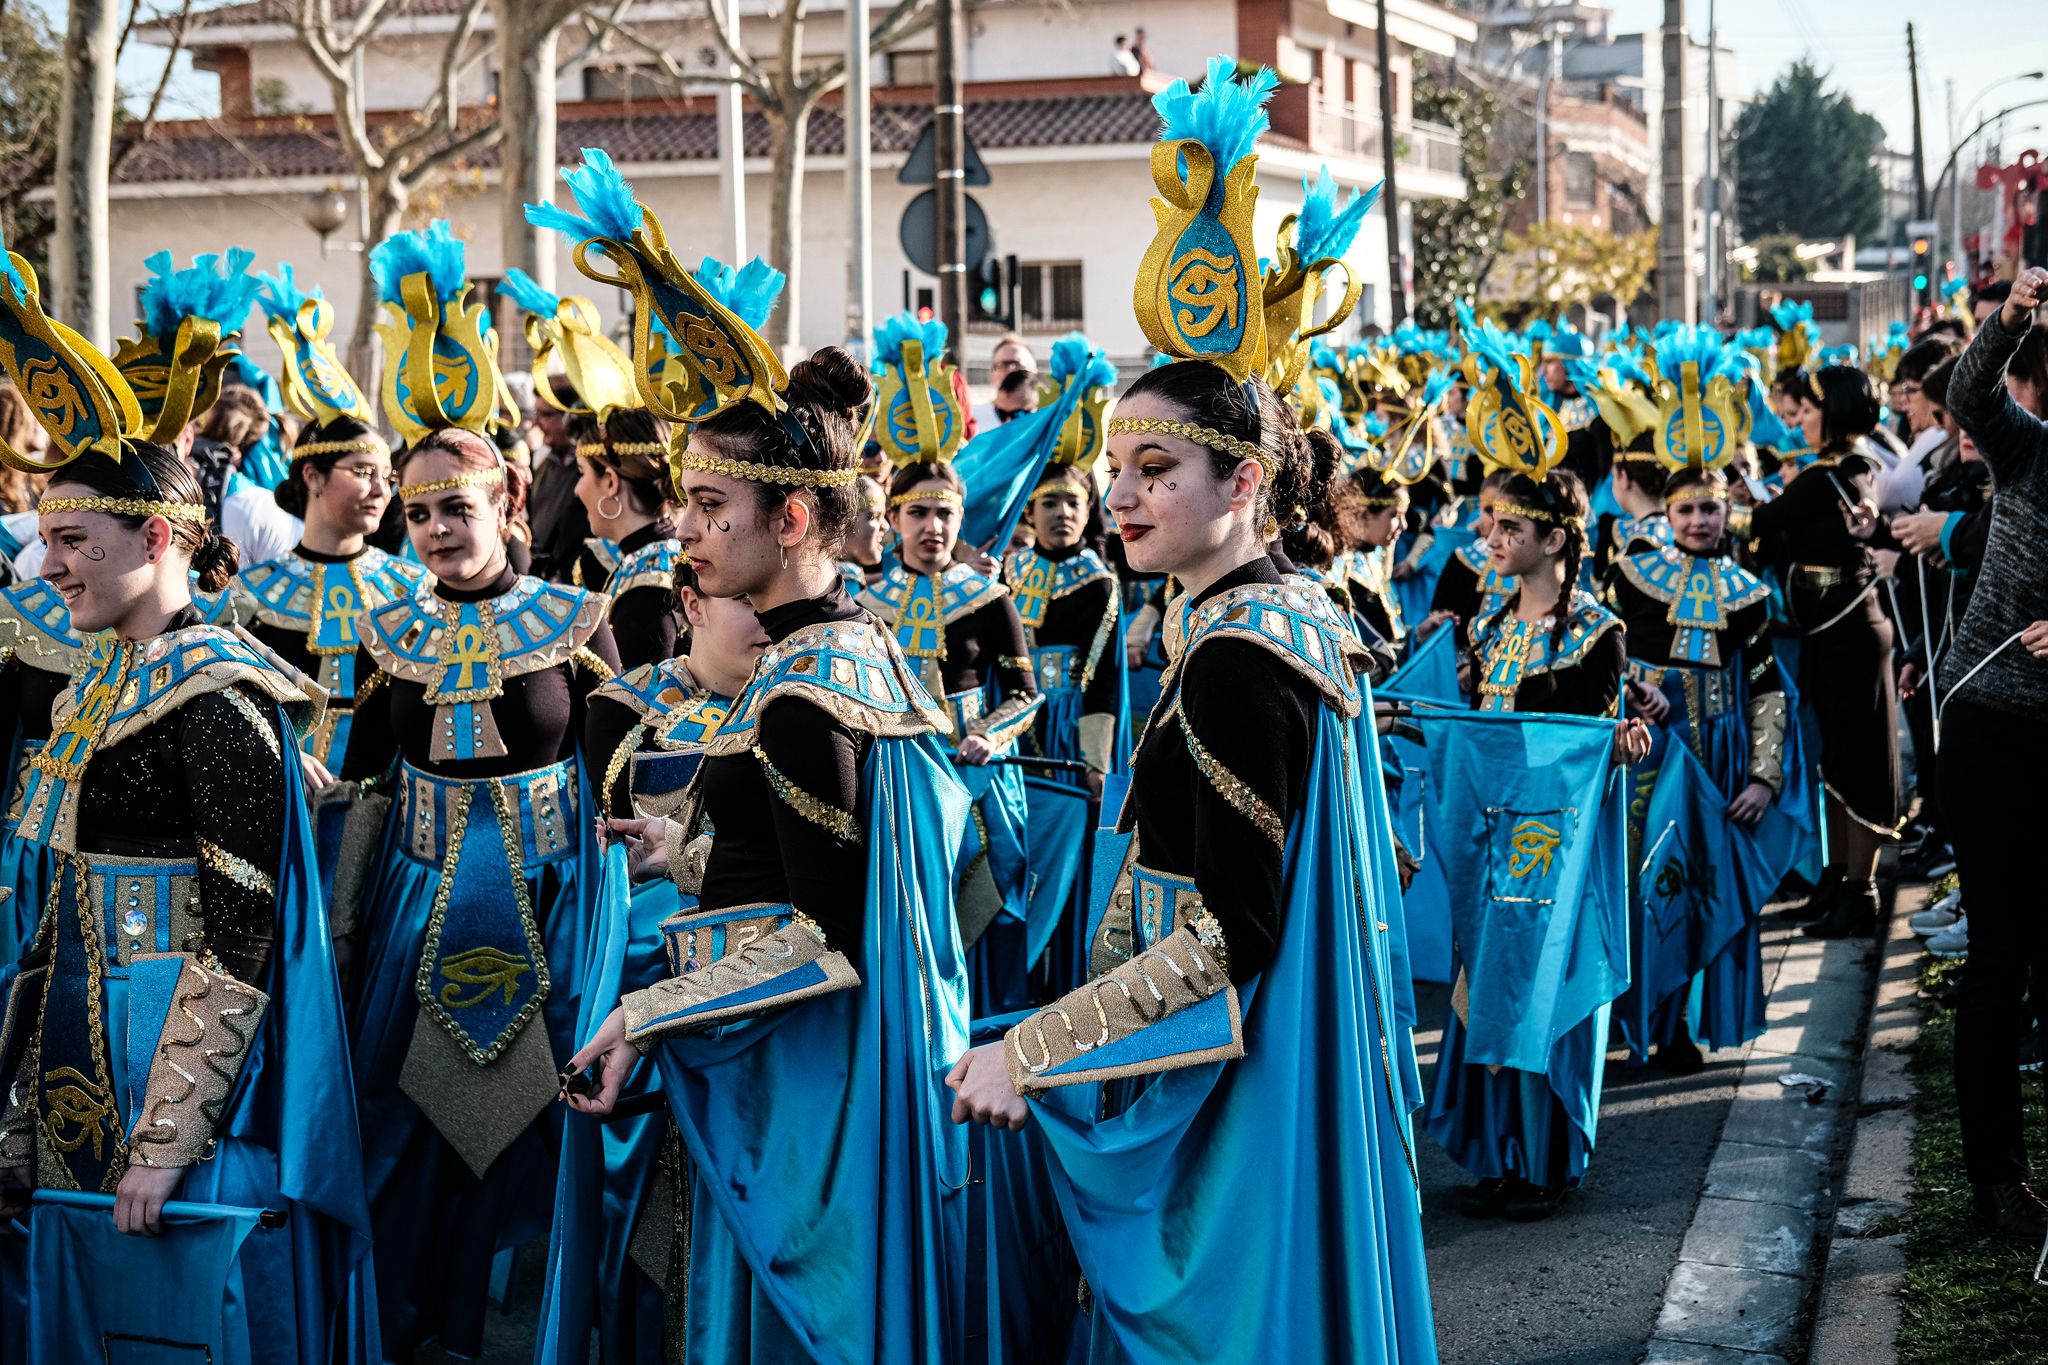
(624, 81)
(1049, 295)
(1580, 180)
(913, 68)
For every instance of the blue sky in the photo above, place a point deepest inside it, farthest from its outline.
(1862, 45)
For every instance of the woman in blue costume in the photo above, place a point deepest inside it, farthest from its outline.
(176, 1031)
(1528, 1136)
(1250, 1194)
(482, 897)
(609, 1260)
(1066, 598)
(961, 631)
(1705, 674)
(1373, 510)
(632, 554)
(1471, 587)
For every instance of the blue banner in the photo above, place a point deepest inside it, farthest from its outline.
(1531, 838)
(1431, 673)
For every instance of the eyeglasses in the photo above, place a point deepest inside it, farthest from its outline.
(370, 475)
(1905, 386)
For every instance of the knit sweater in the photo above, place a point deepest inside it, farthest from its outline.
(2012, 583)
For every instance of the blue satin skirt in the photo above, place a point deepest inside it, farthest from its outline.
(1518, 1123)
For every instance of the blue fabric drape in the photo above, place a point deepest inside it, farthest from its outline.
(1266, 1208)
(831, 1184)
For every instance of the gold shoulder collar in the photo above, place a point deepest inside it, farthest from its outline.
(35, 627)
(1294, 620)
(851, 669)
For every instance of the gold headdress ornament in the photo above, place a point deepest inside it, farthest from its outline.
(1797, 334)
(1510, 425)
(440, 352)
(917, 413)
(696, 350)
(1310, 245)
(1082, 370)
(77, 396)
(175, 362)
(315, 386)
(1621, 393)
(1421, 442)
(566, 327)
(1701, 416)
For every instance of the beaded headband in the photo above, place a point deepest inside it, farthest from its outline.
(1505, 508)
(1200, 435)
(367, 445)
(597, 450)
(1714, 488)
(928, 495)
(691, 458)
(474, 478)
(127, 507)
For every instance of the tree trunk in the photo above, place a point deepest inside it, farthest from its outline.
(366, 350)
(82, 291)
(785, 214)
(526, 112)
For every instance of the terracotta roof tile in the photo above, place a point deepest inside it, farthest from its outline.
(648, 134)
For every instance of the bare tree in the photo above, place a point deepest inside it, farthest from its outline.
(786, 93)
(395, 158)
(528, 34)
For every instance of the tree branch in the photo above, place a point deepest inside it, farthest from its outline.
(736, 56)
(476, 139)
(673, 70)
(443, 113)
(139, 132)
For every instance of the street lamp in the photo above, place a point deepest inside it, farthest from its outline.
(1956, 190)
(326, 211)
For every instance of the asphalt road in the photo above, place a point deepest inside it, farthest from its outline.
(1583, 1287)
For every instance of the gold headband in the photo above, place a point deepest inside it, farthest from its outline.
(597, 450)
(1504, 508)
(1391, 500)
(932, 495)
(1058, 486)
(1708, 490)
(367, 445)
(127, 507)
(765, 473)
(475, 478)
(1201, 436)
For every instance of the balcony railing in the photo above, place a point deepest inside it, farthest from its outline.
(1356, 132)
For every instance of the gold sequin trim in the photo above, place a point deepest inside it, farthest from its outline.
(1019, 662)
(1504, 508)
(926, 495)
(838, 823)
(1231, 788)
(1200, 435)
(765, 473)
(597, 450)
(255, 718)
(126, 507)
(363, 445)
(473, 478)
(587, 659)
(240, 871)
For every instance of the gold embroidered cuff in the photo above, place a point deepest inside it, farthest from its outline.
(1004, 724)
(687, 857)
(206, 1039)
(1144, 625)
(838, 823)
(1182, 970)
(795, 953)
(1767, 720)
(1098, 737)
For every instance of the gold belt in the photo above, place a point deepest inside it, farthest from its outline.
(1818, 576)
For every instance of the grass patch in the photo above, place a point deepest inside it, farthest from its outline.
(1970, 1295)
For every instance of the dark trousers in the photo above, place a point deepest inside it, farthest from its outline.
(1987, 758)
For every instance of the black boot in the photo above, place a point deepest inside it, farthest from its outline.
(1680, 1056)
(1487, 1199)
(2013, 1208)
(1823, 897)
(1528, 1203)
(1852, 914)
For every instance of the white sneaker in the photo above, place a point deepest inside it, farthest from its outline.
(1943, 914)
(1953, 942)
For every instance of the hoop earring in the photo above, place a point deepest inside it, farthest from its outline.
(614, 514)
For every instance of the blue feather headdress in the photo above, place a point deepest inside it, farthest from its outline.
(190, 317)
(316, 387)
(917, 414)
(751, 291)
(567, 328)
(1311, 245)
(95, 408)
(440, 351)
(1701, 418)
(1512, 427)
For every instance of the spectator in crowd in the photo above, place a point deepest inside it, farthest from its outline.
(1898, 488)
(1123, 61)
(558, 523)
(1993, 731)
(1016, 395)
(1141, 49)
(1012, 354)
(244, 510)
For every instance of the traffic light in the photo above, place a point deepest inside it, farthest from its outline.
(1923, 261)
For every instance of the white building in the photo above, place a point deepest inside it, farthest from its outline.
(1068, 146)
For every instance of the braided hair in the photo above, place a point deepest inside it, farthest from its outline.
(1561, 500)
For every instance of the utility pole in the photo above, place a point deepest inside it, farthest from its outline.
(949, 119)
(732, 157)
(1675, 298)
(1543, 129)
(860, 214)
(1710, 308)
(1390, 198)
(1919, 147)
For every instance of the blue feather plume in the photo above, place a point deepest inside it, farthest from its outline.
(1323, 356)
(437, 251)
(1077, 360)
(1702, 346)
(281, 296)
(214, 287)
(1844, 354)
(1226, 115)
(610, 208)
(1789, 315)
(524, 290)
(1324, 231)
(749, 292)
(895, 331)
(1374, 424)
(1486, 340)
(1436, 386)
